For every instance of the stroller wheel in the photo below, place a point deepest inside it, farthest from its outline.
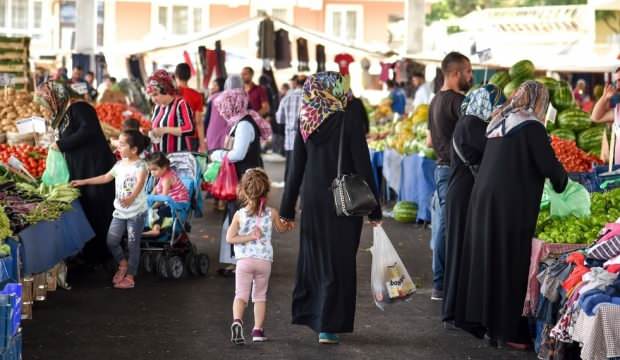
(191, 264)
(203, 263)
(148, 262)
(162, 267)
(176, 268)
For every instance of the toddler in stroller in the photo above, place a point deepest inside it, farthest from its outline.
(168, 184)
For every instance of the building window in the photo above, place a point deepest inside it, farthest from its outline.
(3, 13)
(100, 21)
(19, 14)
(180, 20)
(162, 16)
(345, 22)
(198, 20)
(38, 14)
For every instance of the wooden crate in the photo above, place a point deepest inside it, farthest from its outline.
(40, 287)
(52, 279)
(27, 297)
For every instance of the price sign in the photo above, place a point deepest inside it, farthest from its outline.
(31, 124)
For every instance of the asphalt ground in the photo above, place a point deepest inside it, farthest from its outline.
(190, 318)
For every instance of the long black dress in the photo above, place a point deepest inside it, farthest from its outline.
(504, 206)
(325, 288)
(470, 136)
(88, 154)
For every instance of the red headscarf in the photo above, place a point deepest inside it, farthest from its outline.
(162, 82)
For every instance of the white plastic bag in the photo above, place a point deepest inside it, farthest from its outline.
(390, 282)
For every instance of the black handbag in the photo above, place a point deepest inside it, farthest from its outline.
(352, 195)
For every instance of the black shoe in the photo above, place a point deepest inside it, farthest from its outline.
(437, 295)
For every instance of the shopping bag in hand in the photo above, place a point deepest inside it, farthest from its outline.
(213, 169)
(389, 278)
(575, 200)
(56, 170)
(225, 186)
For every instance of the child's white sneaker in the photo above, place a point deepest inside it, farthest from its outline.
(236, 331)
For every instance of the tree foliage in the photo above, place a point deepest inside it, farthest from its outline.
(446, 9)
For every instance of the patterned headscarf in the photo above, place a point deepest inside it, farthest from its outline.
(56, 97)
(161, 81)
(529, 103)
(482, 102)
(233, 106)
(325, 93)
(233, 81)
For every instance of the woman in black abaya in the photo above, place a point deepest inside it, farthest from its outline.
(325, 288)
(504, 206)
(468, 144)
(88, 154)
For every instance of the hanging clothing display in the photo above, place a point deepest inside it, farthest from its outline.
(101, 67)
(188, 60)
(266, 40)
(209, 63)
(82, 60)
(343, 60)
(321, 59)
(283, 50)
(135, 68)
(366, 78)
(302, 55)
(385, 71)
(220, 68)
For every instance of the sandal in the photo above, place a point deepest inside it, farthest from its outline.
(126, 283)
(120, 274)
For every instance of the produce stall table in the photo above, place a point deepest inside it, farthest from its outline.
(392, 168)
(47, 243)
(417, 183)
(541, 251)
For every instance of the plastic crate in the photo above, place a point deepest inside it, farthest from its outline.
(14, 350)
(588, 180)
(10, 313)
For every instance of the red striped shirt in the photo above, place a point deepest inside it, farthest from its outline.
(177, 114)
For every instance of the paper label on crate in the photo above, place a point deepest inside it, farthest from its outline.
(6, 79)
(31, 124)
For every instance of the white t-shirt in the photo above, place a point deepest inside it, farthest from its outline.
(125, 178)
(422, 95)
(260, 249)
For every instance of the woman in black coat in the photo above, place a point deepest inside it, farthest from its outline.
(469, 139)
(325, 288)
(88, 154)
(504, 207)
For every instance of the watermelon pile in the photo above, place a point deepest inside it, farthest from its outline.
(509, 81)
(576, 125)
(405, 211)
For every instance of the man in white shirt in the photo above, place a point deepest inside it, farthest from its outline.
(423, 90)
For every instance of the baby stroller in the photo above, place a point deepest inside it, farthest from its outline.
(171, 254)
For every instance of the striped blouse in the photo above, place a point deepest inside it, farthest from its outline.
(175, 114)
(177, 191)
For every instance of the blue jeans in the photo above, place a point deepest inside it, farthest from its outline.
(438, 224)
(134, 228)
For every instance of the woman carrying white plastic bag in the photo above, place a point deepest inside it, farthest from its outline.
(389, 279)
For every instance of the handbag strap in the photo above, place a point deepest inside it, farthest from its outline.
(340, 148)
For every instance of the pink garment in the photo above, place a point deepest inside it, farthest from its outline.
(617, 149)
(252, 271)
(609, 231)
(218, 128)
(177, 191)
(385, 71)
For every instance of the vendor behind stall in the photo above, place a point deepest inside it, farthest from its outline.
(87, 153)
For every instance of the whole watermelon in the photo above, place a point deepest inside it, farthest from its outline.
(522, 70)
(405, 211)
(562, 96)
(565, 134)
(574, 119)
(590, 139)
(550, 84)
(511, 87)
(500, 79)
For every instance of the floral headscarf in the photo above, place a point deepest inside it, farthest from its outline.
(56, 97)
(482, 102)
(529, 103)
(233, 106)
(325, 93)
(161, 81)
